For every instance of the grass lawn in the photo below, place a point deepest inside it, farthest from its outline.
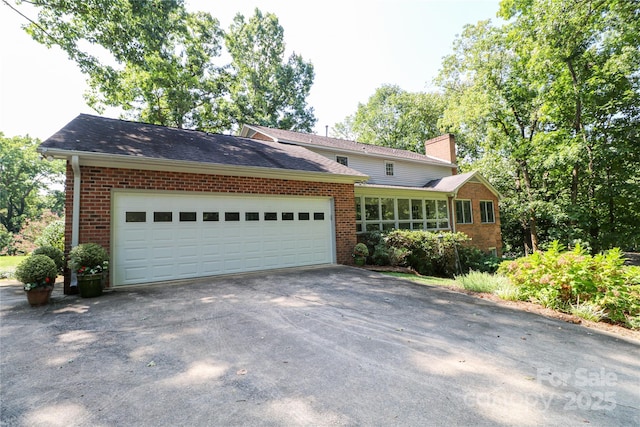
(8, 264)
(426, 280)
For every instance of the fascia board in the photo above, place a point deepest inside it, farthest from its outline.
(381, 190)
(145, 163)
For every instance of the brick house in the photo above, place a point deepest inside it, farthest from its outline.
(172, 204)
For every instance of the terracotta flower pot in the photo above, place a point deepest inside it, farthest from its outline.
(39, 296)
(90, 285)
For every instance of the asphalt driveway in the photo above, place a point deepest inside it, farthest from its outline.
(326, 346)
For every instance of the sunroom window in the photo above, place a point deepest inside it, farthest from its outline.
(387, 213)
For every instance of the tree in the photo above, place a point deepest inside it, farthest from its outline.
(23, 175)
(554, 93)
(394, 118)
(157, 62)
(264, 89)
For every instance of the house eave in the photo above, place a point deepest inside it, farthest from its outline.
(206, 168)
(381, 188)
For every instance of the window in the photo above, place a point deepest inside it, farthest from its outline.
(486, 211)
(135, 217)
(287, 216)
(232, 216)
(388, 168)
(343, 160)
(386, 213)
(210, 216)
(493, 251)
(162, 216)
(463, 212)
(270, 216)
(187, 216)
(318, 216)
(303, 216)
(251, 216)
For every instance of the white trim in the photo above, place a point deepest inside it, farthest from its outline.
(145, 163)
(75, 216)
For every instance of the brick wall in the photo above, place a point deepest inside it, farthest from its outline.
(97, 183)
(484, 236)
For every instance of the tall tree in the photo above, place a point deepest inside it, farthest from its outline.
(555, 92)
(393, 117)
(23, 175)
(265, 89)
(161, 63)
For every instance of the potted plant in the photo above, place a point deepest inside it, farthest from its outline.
(90, 261)
(38, 274)
(360, 253)
(54, 253)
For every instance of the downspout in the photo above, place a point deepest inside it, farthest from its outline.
(75, 219)
(452, 198)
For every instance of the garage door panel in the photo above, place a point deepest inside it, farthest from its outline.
(212, 244)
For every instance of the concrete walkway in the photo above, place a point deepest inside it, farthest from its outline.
(326, 346)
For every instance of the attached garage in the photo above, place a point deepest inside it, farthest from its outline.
(159, 236)
(173, 204)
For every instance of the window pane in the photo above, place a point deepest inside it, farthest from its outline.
(342, 160)
(388, 167)
(432, 225)
(418, 226)
(252, 216)
(404, 226)
(270, 216)
(358, 228)
(431, 209)
(318, 216)
(486, 211)
(443, 224)
(388, 226)
(443, 212)
(135, 217)
(403, 209)
(373, 227)
(371, 208)
(210, 216)
(463, 212)
(387, 209)
(162, 216)
(187, 216)
(468, 219)
(287, 216)
(303, 216)
(232, 216)
(358, 208)
(416, 209)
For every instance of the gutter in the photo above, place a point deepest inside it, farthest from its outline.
(75, 219)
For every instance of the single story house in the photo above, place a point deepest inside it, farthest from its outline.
(172, 204)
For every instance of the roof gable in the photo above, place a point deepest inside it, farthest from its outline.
(308, 139)
(451, 184)
(118, 138)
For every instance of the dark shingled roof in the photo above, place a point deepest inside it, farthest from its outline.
(342, 144)
(93, 134)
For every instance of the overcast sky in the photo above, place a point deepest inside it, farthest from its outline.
(355, 47)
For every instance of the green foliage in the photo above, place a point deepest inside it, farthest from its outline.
(164, 65)
(264, 88)
(482, 282)
(394, 118)
(23, 174)
(34, 233)
(52, 235)
(37, 271)
(575, 280)
(88, 258)
(360, 250)
(54, 253)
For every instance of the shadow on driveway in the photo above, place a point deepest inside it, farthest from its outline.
(326, 346)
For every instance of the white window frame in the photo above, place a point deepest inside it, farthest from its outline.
(461, 220)
(346, 160)
(483, 213)
(380, 224)
(389, 167)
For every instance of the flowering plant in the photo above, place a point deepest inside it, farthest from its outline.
(88, 258)
(37, 271)
(360, 251)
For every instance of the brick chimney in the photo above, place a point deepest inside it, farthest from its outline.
(442, 147)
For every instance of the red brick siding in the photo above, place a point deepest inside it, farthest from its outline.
(97, 183)
(484, 236)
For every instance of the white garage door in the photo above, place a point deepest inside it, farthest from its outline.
(168, 236)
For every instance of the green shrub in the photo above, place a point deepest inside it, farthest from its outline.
(36, 271)
(588, 311)
(52, 235)
(88, 258)
(508, 292)
(478, 281)
(565, 280)
(54, 253)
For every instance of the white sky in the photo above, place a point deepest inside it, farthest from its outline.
(355, 47)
